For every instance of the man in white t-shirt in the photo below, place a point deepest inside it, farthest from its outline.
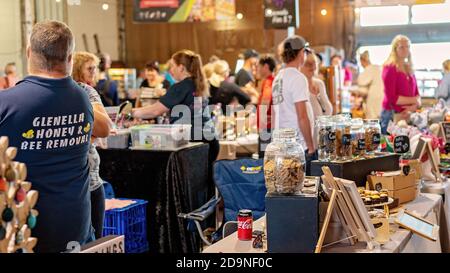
(290, 93)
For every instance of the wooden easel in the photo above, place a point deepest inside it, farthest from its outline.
(424, 147)
(15, 194)
(349, 217)
(326, 222)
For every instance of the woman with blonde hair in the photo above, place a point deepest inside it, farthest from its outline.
(401, 94)
(84, 72)
(443, 90)
(223, 91)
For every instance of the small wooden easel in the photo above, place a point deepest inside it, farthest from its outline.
(351, 220)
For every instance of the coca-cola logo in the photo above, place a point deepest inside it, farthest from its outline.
(247, 224)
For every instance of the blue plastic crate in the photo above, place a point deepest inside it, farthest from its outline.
(131, 222)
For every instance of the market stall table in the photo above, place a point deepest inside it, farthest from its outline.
(242, 146)
(171, 181)
(428, 206)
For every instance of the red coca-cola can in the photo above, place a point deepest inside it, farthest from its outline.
(245, 225)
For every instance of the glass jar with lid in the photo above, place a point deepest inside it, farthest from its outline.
(326, 132)
(343, 137)
(284, 163)
(372, 130)
(358, 137)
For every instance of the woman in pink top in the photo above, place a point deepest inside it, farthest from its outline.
(401, 95)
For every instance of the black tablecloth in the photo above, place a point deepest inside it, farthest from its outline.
(172, 182)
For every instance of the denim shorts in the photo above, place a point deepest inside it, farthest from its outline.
(386, 117)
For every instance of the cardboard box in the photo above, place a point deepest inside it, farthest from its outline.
(406, 194)
(405, 188)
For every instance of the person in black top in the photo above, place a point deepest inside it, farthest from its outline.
(152, 77)
(191, 91)
(245, 76)
(223, 91)
(106, 87)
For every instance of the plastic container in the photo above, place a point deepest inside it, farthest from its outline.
(343, 137)
(358, 137)
(160, 136)
(372, 130)
(121, 140)
(326, 131)
(284, 163)
(131, 222)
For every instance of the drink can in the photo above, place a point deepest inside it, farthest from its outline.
(245, 225)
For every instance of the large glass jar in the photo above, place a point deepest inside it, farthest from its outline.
(326, 132)
(372, 130)
(358, 137)
(284, 163)
(343, 137)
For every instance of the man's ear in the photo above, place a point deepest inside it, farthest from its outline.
(69, 58)
(28, 52)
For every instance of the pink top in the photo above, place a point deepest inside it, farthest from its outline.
(397, 83)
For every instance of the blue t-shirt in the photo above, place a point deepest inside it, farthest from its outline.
(50, 122)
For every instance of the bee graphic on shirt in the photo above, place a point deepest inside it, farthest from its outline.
(87, 128)
(29, 134)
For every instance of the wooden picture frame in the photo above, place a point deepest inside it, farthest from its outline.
(354, 215)
(344, 215)
(357, 206)
(417, 224)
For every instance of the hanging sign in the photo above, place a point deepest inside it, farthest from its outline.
(175, 11)
(281, 14)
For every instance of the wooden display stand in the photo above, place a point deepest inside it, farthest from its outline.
(351, 211)
(16, 203)
(357, 170)
(424, 147)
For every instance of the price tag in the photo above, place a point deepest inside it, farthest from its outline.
(401, 144)
(332, 136)
(361, 144)
(447, 148)
(446, 130)
(376, 139)
(346, 140)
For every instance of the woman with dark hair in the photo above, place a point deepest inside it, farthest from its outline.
(152, 77)
(191, 90)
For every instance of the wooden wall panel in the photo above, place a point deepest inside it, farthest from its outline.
(159, 41)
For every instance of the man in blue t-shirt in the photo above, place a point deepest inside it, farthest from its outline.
(48, 117)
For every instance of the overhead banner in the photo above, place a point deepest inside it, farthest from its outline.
(281, 14)
(177, 11)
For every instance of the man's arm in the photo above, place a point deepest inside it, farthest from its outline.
(305, 125)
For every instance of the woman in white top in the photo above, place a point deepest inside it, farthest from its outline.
(318, 97)
(292, 107)
(317, 93)
(371, 87)
(443, 90)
